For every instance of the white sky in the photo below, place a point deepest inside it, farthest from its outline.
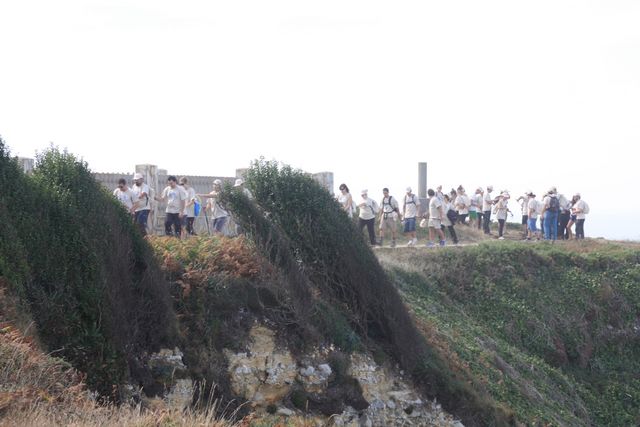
(517, 94)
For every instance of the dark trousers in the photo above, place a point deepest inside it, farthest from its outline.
(140, 219)
(370, 223)
(172, 219)
(462, 218)
(452, 233)
(563, 233)
(580, 229)
(480, 216)
(501, 226)
(190, 225)
(486, 216)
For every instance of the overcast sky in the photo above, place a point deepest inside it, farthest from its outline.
(521, 95)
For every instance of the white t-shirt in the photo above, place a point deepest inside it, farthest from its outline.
(525, 205)
(389, 207)
(128, 198)
(564, 203)
(463, 200)
(411, 203)
(532, 209)
(367, 212)
(501, 209)
(173, 197)
(343, 199)
(487, 202)
(580, 206)
(217, 211)
(434, 204)
(190, 211)
(144, 204)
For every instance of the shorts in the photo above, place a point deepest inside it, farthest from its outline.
(525, 219)
(435, 223)
(532, 224)
(473, 215)
(574, 218)
(410, 225)
(219, 223)
(388, 223)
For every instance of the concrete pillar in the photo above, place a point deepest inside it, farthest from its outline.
(325, 179)
(422, 180)
(27, 164)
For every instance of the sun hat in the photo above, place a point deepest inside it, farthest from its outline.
(217, 182)
(239, 182)
(408, 189)
(137, 176)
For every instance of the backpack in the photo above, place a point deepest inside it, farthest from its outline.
(196, 208)
(452, 215)
(554, 204)
(389, 203)
(374, 207)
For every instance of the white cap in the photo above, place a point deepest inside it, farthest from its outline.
(364, 192)
(408, 189)
(239, 182)
(490, 187)
(552, 190)
(217, 182)
(137, 176)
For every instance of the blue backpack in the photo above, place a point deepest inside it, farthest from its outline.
(196, 208)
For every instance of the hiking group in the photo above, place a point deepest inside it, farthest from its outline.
(557, 214)
(182, 204)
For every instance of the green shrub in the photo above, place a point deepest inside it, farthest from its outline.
(71, 253)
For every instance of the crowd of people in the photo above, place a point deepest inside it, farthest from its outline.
(182, 204)
(557, 214)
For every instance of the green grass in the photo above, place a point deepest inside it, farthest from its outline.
(550, 331)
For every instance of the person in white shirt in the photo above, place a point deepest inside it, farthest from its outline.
(487, 203)
(189, 213)
(436, 213)
(239, 184)
(550, 212)
(446, 221)
(368, 208)
(572, 218)
(501, 210)
(532, 216)
(409, 213)
(175, 198)
(144, 196)
(524, 204)
(462, 205)
(389, 215)
(564, 217)
(219, 215)
(346, 201)
(127, 197)
(580, 210)
(479, 200)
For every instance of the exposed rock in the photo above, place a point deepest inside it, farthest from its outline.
(285, 412)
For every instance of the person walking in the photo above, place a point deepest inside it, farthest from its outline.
(219, 215)
(501, 210)
(447, 220)
(580, 209)
(524, 204)
(487, 203)
(479, 198)
(368, 209)
(436, 213)
(572, 218)
(127, 197)
(189, 213)
(409, 213)
(462, 205)
(388, 217)
(346, 201)
(564, 217)
(532, 214)
(550, 212)
(175, 198)
(143, 196)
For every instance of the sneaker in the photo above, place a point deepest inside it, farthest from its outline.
(442, 242)
(410, 243)
(500, 238)
(415, 241)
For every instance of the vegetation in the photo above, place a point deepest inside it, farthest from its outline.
(550, 330)
(68, 250)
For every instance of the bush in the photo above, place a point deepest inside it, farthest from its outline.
(70, 251)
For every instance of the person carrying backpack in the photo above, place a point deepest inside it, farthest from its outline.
(550, 213)
(368, 209)
(389, 217)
